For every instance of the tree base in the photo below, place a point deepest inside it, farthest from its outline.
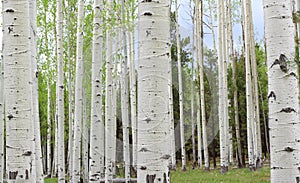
(224, 169)
(207, 169)
(183, 168)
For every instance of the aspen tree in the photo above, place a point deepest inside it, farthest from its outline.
(35, 101)
(109, 115)
(78, 96)
(17, 91)
(97, 124)
(181, 110)
(153, 93)
(283, 91)
(201, 78)
(222, 89)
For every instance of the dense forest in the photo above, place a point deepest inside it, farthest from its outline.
(120, 91)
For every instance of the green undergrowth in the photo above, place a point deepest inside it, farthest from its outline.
(234, 175)
(51, 180)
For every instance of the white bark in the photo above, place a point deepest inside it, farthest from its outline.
(192, 109)
(257, 134)
(199, 143)
(132, 80)
(97, 123)
(283, 91)
(48, 148)
(222, 120)
(17, 90)
(2, 120)
(249, 96)
(35, 101)
(124, 100)
(171, 118)
(109, 116)
(85, 140)
(54, 164)
(49, 129)
(78, 95)
(70, 98)
(181, 110)
(60, 94)
(153, 93)
(202, 91)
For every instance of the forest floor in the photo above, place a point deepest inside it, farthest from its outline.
(234, 175)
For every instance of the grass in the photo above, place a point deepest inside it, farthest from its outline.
(232, 176)
(200, 176)
(51, 180)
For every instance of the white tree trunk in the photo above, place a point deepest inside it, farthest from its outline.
(49, 130)
(283, 91)
(70, 98)
(199, 130)
(153, 93)
(78, 96)
(249, 96)
(132, 80)
(109, 116)
(60, 95)
(17, 90)
(54, 164)
(85, 140)
(181, 110)
(97, 124)
(193, 113)
(48, 148)
(35, 100)
(171, 118)
(257, 134)
(202, 91)
(2, 119)
(222, 126)
(124, 99)
(192, 91)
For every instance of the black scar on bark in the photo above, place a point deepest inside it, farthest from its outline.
(288, 110)
(10, 116)
(27, 153)
(289, 149)
(10, 29)
(272, 94)
(166, 156)
(148, 32)
(282, 62)
(27, 174)
(143, 168)
(10, 10)
(150, 178)
(144, 149)
(148, 13)
(297, 179)
(294, 75)
(13, 175)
